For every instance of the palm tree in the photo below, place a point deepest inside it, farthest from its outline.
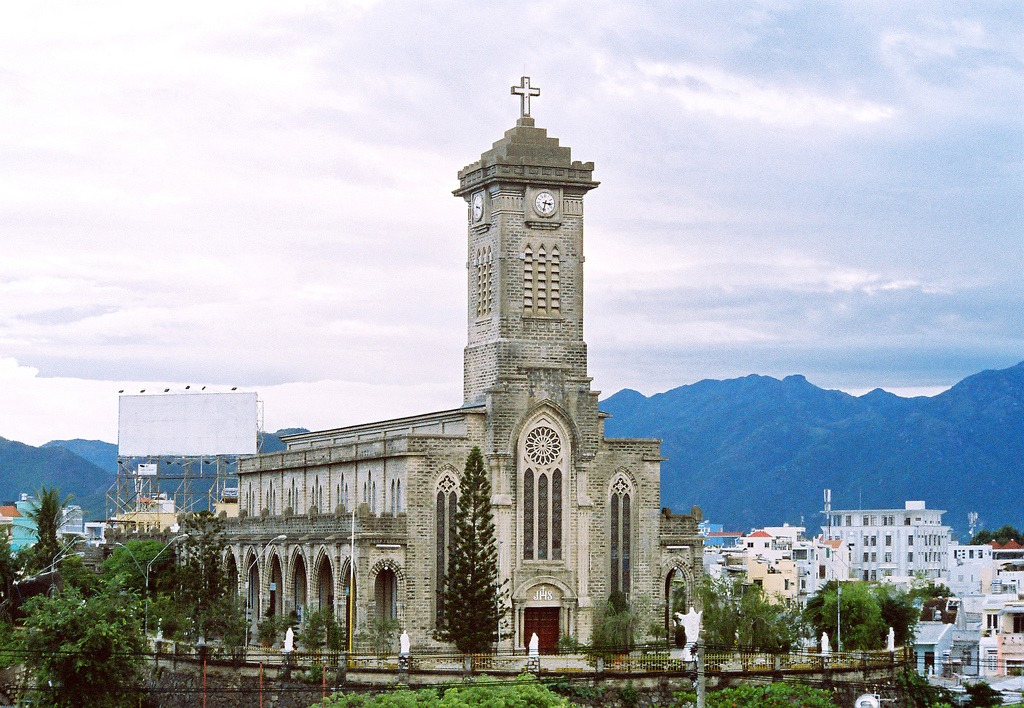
(47, 515)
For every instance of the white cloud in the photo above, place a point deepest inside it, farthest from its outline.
(259, 194)
(704, 89)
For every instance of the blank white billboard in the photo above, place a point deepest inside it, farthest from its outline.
(187, 424)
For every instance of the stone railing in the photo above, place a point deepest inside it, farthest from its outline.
(639, 663)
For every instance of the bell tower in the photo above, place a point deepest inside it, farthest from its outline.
(525, 261)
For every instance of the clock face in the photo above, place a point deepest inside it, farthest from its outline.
(478, 207)
(544, 204)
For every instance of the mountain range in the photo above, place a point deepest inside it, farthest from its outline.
(749, 451)
(760, 451)
(84, 469)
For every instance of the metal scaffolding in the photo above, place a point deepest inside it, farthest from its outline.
(150, 492)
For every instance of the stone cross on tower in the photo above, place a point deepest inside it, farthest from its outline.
(524, 91)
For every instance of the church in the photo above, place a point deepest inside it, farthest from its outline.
(357, 520)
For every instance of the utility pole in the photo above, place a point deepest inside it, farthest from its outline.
(839, 615)
(701, 688)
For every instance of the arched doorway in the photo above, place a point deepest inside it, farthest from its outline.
(299, 587)
(276, 607)
(386, 595)
(677, 600)
(325, 586)
(252, 591)
(231, 571)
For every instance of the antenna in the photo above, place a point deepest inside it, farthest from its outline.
(828, 512)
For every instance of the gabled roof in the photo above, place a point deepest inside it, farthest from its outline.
(760, 534)
(833, 543)
(9, 510)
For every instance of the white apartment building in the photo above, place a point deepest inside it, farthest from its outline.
(971, 569)
(887, 543)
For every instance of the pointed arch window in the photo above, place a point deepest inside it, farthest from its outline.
(542, 495)
(444, 529)
(620, 537)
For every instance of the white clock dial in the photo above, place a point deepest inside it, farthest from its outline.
(478, 207)
(544, 204)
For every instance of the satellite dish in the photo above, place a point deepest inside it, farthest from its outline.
(868, 700)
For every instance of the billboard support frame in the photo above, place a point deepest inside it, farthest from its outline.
(187, 483)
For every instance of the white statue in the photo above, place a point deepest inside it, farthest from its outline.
(534, 645)
(403, 643)
(890, 643)
(289, 641)
(691, 625)
(826, 649)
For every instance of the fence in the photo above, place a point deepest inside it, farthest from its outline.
(643, 661)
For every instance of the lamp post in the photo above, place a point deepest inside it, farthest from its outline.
(141, 573)
(61, 555)
(248, 572)
(839, 615)
(149, 567)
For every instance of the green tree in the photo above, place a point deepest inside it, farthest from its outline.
(860, 614)
(736, 614)
(125, 567)
(471, 584)
(616, 625)
(202, 577)
(898, 611)
(84, 651)
(47, 513)
(1001, 535)
(312, 635)
(75, 574)
(381, 636)
(983, 695)
(10, 570)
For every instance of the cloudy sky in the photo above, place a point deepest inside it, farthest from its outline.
(258, 194)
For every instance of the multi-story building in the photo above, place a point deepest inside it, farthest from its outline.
(889, 543)
(1001, 647)
(1010, 638)
(778, 578)
(971, 569)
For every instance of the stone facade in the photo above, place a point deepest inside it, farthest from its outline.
(577, 514)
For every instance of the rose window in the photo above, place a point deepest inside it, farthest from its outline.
(543, 446)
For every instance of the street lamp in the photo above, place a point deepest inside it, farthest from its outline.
(61, 555)
(149, 567)
(135, 560)
(248, 572)
(839, 614)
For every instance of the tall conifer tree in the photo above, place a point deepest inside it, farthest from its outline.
(472, 594)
